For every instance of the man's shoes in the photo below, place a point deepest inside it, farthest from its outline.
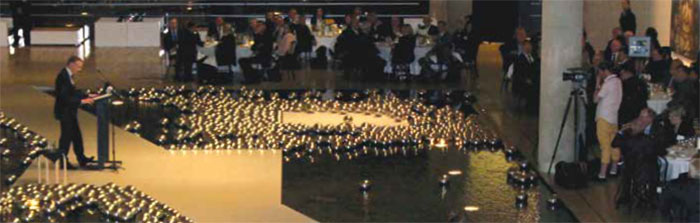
(87, 160)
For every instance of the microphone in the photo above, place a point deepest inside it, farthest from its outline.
(108, 87)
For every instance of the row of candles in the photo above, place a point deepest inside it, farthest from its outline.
(19, 146)
(55, 203)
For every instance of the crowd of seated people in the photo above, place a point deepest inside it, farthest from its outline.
(285, 41)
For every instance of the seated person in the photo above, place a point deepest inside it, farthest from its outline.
(262, 53)
(284, 48)
(364, 56)
(226, 49)
(678, 125)
(427, 28)
(390, 31)
(346, 41)
(526, 76)
(440, 64)
(404, 50)
(373, 26)
(443, 36)
(684, 84)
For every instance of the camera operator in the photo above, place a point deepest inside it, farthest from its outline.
(608, 95)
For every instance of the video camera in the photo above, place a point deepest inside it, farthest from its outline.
(576, 74)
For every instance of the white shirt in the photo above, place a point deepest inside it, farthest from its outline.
(610, 95)
(70, 76)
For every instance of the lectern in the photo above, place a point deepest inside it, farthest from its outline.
(102, 105)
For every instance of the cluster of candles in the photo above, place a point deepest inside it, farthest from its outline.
(521, 176)
(19, 146)
(216, 118)
(52, 203)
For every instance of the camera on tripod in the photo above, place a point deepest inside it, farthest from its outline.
(576, 74)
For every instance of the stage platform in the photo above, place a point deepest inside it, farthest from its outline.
(205, 186)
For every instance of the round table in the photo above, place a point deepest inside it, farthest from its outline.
(658, 101)
(678, 161)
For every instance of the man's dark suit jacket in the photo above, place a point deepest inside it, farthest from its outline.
(187, 46)
(628, 22)
(67, 97)
(168, 42)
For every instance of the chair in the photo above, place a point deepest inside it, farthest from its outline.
(400, 71)
(43, 165)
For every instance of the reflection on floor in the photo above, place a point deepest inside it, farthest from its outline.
(140, 67)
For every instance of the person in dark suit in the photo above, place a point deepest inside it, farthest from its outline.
(403, 52)
(616, 48)
(21, 19)
(654, 36)
(658, 67)
(170, 38)
(526, 76)
(511, 49)
(226, 49)
(188, 40)
(305, 39)
(216, 29)
(628, 21)
(634, 94)
(317, 22)
(346, 42)
(262, 53)
(169, 43)
(443, 37)
(68, 99)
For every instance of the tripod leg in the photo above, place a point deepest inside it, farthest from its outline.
(561, 130)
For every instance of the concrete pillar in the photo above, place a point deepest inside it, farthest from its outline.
(456, 10)
(561, 49)
(438, 10)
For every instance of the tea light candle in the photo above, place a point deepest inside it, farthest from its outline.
(365, 186)
(521, 200)
(444, 180)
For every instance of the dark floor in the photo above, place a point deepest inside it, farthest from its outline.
(141, 67)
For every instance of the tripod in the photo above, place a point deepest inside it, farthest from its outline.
(573, 96)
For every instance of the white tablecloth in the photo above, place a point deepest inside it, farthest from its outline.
(658, 100)
(658, 105)
(327, 41)
(677, 164)
(209, 50)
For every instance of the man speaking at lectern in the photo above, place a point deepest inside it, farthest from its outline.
(68, 99)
